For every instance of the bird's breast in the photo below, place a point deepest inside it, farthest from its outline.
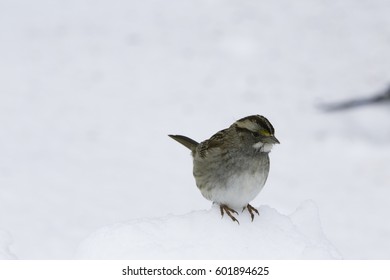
(234, 183)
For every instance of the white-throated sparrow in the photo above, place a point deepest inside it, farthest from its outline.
(231, 167)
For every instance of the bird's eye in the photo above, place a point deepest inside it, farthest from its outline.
(255, 134)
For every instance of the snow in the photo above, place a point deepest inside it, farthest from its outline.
(89, 91)
(5, 242)
(203, 235)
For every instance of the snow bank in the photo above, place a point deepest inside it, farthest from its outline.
(5, 242)
(204, 235)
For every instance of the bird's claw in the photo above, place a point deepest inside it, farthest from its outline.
(251, 211)
(229, 211)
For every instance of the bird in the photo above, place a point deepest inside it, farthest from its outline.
(231, 167)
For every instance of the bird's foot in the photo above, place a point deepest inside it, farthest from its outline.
(229, 211)
(251, 211)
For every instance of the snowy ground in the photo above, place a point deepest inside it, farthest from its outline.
(89, 91)
(203, 235)
(5, 242)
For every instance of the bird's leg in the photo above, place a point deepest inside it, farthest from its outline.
(229, 211)
(251, 209)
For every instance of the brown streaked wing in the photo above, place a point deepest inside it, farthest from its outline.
(215, 141)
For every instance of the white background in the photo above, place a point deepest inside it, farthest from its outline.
(89, 91)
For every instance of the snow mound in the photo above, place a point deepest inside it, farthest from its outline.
(5, 242)
(204, 235)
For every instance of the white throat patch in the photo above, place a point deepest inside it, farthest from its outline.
(264, 147)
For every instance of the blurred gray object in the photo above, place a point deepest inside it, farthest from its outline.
(349, 104)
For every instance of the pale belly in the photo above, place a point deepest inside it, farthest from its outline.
(238, 190)
(232, 182)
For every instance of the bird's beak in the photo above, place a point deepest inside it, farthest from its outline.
(271, 140)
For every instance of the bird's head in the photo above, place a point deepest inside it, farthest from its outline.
(257, 132)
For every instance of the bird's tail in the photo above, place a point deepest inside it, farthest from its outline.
(185, 141)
